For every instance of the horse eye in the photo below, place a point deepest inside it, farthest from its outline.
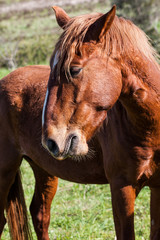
(74, 71)
(100, 108)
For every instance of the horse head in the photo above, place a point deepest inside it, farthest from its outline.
(84, 84)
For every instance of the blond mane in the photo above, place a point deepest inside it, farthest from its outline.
(123, 37)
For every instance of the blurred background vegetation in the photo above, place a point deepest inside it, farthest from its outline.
(28, 30)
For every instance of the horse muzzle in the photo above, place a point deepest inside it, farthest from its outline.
(69, 148)
(62, 147)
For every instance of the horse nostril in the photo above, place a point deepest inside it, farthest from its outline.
(53, 147)
(73, 140)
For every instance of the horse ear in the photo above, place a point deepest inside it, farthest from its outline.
(99, 28)
(61, 16)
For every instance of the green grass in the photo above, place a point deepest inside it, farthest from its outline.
(84, 212)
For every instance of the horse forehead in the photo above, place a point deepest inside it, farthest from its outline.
(84, 52)
(90, 47)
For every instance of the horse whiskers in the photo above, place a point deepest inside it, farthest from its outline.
(89, 155)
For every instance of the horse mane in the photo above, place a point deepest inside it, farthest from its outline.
(123, 37)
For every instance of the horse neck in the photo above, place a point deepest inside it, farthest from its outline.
(141, 98)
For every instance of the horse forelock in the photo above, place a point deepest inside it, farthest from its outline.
(71, 40)
(123, 38)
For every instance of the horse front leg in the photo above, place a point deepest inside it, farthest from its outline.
(123, 199)
(45, 189)
(155, 213)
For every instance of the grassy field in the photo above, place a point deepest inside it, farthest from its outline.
(79, 212)
(84, 212)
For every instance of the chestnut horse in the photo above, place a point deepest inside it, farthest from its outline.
(22, 94)
(105, 79)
